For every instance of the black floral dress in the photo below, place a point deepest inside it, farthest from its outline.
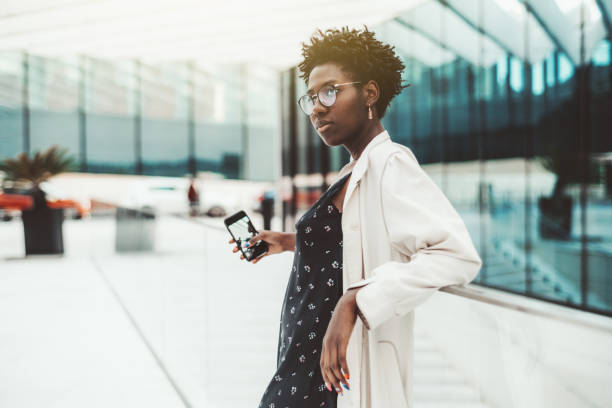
(314, 288)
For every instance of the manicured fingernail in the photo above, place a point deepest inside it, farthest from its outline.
(328, 386)
(246, 245)
(345, 386)
(347, 376)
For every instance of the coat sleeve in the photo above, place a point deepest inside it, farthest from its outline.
(423, 225)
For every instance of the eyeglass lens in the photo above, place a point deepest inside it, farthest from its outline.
(326, 95)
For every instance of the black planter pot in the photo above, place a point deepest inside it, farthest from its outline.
(42, 228)
(555, 217)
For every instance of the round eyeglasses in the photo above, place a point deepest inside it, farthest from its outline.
(326, 95)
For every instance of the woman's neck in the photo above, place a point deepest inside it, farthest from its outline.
(359, 143)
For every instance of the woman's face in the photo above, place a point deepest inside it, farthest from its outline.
(342, 121)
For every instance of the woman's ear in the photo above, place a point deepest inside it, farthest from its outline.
(372, 93)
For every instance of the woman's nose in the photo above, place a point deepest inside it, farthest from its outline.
(318, 108)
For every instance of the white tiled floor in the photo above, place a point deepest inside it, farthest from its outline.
(66, 342)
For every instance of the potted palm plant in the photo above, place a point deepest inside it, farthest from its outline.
(42, 225)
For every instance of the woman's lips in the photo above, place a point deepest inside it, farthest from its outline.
(325, 127)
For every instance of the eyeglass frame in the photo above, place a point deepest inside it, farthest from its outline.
(316, 95)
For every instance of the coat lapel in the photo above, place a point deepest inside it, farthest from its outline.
(360, 166)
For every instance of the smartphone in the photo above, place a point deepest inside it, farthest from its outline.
(242, 230)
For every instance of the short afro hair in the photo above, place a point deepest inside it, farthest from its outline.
(360, 55)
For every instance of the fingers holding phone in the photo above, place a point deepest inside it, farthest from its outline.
(242, 231)
(236, 248)
(273, 246)
(276, 242)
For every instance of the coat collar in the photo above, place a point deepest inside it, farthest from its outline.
(359, 166)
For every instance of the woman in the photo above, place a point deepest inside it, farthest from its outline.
(383, 231)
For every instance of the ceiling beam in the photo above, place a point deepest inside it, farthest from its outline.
(605, 15)
(476, 27)
(430, 37)
(548, 31)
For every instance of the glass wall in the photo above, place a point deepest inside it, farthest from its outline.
(11, 103)
(597, 190)
(110, 123)
(137, 117)
(510, 115)
(219, 111)
(53, 99)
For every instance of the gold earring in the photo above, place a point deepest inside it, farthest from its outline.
(369, 112)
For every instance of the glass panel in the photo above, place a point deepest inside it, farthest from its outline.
(263, 125)
(164, 147)
(337, 158)
(497, 110)
(218, 148)
(549, 278)
(110, 122)
(11, 101)
(503, 192)
(110, 144)
(164, 99)
(54, 90)
(303, 136)
(599, 187)
(219, 133)
(422, 89)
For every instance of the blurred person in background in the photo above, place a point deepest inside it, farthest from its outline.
(376, 244)
(267, 208)
(193, 197)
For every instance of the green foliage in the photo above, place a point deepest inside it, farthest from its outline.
(38, 168)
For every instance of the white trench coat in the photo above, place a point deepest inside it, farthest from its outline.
(402, 241)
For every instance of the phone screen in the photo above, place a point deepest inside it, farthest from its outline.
(242, 230)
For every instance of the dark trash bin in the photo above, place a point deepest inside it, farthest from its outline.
(42, 229)
(135, 230)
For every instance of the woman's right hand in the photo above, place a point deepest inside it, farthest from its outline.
(277, 243)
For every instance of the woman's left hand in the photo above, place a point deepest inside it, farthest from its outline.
(335, 342)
